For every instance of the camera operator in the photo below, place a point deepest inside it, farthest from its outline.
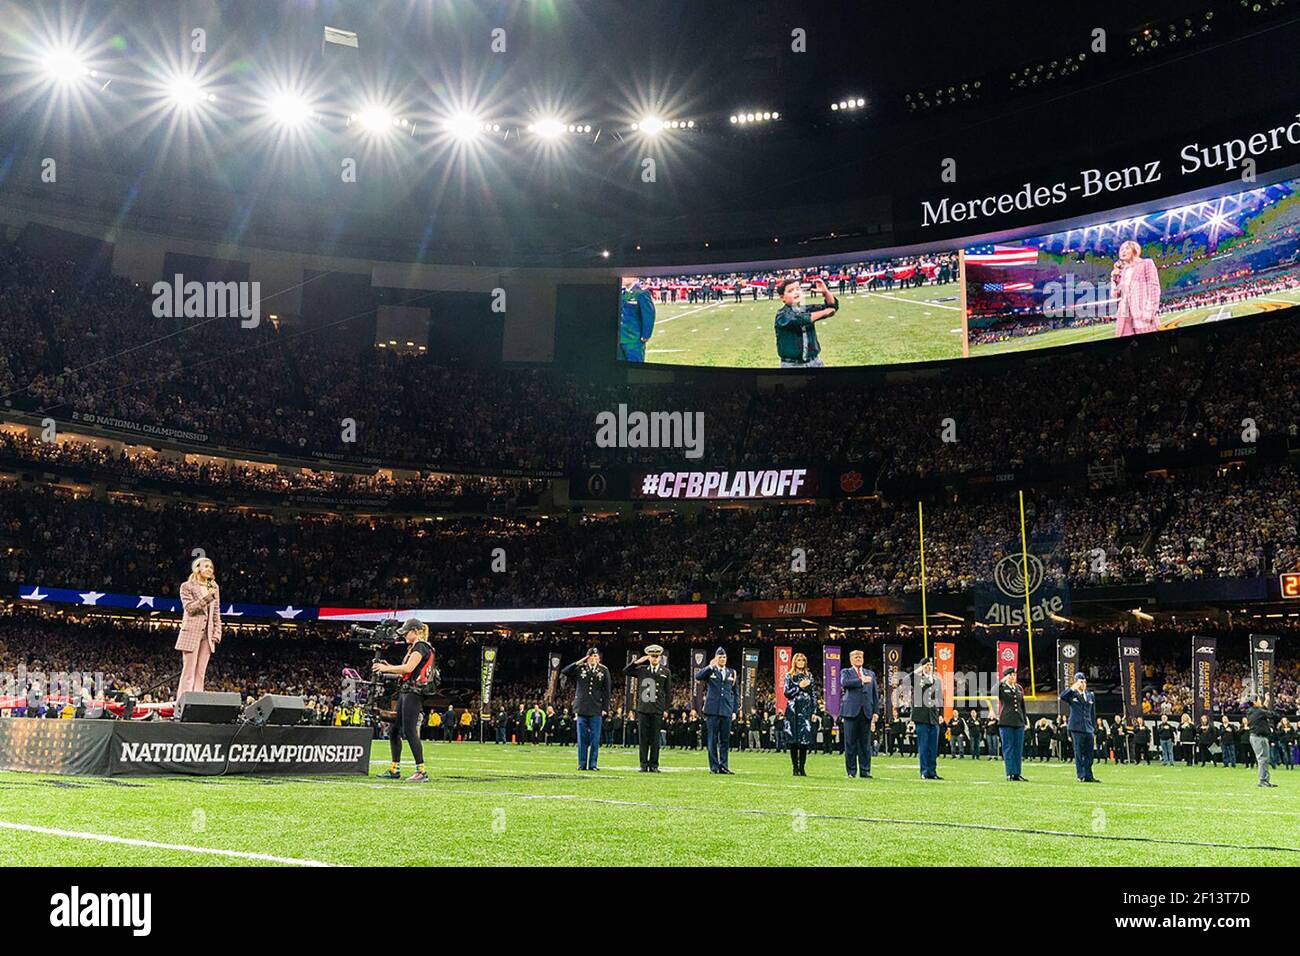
(414, 672)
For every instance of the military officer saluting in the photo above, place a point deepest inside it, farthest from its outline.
(653, 695)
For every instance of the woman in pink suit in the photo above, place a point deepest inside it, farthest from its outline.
(1137, 292)
(200, 627)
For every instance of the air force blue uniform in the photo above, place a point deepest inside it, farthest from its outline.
(720, 704)
(636, 323)
(1082, 724)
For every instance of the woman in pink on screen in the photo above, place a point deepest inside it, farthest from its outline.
(200, 626)
(1136, 288)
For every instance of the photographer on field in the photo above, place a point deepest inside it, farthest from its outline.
(414, 672)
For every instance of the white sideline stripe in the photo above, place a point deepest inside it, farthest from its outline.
(682, 315)
(130, 841)
(920, 302)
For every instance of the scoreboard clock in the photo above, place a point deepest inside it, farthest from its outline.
(1290, 584)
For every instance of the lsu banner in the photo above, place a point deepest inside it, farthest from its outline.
(1067, 665)
(1130, 676)
(748, 680)
(1263, 648)
(781, 656)
(831, 658)
(698, 660)
(1203, 653)
(944, 659)
(552, 674)
(893, 676)
(487, 670)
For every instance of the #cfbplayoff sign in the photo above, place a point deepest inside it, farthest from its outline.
(770, 483)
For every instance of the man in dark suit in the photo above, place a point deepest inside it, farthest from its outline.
(1083, 723)
(653, 695)
(593, 688)
(720, 702)
(927, 712)
(859, 704)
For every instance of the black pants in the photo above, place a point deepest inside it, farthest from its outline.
(798, 757)
(647, 732)
(410, 707)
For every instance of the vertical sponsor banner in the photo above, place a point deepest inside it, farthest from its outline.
(1263, 648)
(944, 659)
(1130, 676)
(1203, 653)
(781, 656)
(831, 658)
(748, 680)
(1008, 656)
(698, 660)
(629, 685)
(1067, 664)
(487, 670)
(893, 675)
(552, 675)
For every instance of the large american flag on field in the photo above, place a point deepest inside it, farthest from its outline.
(994, 255)
(1008, 286)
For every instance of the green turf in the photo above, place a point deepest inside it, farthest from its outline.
(1173, 320)
(912, 325)
(510, 805)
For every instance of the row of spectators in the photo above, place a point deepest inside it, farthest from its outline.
(91, 345)
(1171, 529)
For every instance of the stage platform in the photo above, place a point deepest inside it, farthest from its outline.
(109, 748)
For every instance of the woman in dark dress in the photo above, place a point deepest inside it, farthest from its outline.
(800, 705)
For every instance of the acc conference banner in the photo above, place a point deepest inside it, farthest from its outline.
(893, 674)
(487, 670)
(944, 658)
(1002, 600)
(1067, 665)
(1130, 676)
(831, 662)
(781, 657)
(748, 680)
(1203, 653)
(1263, 648)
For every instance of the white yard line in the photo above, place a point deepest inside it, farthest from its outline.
(150, 844)
(926, 305)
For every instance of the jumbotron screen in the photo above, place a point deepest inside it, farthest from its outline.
(1205, 261)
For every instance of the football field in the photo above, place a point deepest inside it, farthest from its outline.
(518, 806)
(871, 328)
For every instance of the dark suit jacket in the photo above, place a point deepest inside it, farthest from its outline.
(858, 695)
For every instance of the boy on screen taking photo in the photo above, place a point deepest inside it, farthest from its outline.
(796, 337)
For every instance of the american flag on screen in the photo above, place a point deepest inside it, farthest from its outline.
(993, 255)
(1008, 286)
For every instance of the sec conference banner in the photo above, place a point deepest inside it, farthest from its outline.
(1067, 665)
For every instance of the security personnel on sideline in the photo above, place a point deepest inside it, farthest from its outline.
(859, 705)
(927, 711)
(653, 695)
(720, 704)
(636, 321)
(1012, 723)
(593, 688)
(1083, 721)
(414, 672)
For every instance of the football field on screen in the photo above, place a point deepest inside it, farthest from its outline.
(517, 806)
(871, 328)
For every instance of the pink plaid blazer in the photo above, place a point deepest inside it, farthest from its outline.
(202, 618)
(1139, 299)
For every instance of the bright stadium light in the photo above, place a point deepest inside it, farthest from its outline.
(466, 126)
(548, 128)
(64, 66)
(289, 109)
(650, 125)
(185, 92)
(375, 119)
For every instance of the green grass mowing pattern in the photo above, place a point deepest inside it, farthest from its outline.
(508, 805)
(913, 325)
